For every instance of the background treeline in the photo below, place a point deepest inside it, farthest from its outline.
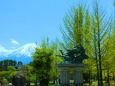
(5, 63)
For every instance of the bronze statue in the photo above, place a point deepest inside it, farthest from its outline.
(75, 55)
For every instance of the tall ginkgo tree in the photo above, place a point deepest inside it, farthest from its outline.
(90, 29)
(101, 28)
(77, 30)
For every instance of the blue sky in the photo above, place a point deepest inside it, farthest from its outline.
(27, 21)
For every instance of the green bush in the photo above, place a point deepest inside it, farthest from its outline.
(4, 81)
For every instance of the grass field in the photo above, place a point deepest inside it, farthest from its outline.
(93, 84)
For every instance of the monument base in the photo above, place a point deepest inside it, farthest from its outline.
(78, 74)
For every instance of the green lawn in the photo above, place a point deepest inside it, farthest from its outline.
(93, 84)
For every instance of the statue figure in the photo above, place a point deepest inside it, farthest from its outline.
(75, 55)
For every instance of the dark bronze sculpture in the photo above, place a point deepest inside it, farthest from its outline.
(75, 55)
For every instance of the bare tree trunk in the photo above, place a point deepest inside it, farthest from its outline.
(99, 55)
(99, 50)
(114, 76)
(90, 77)
(95, 49)
(97, 71)
(108, 81)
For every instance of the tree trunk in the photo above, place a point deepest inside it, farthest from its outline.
(90, 78)
(99, 53)
(108, 81)
(96, 58)
(44, 82)
(97, 66)
(114, 76)
(36, 82)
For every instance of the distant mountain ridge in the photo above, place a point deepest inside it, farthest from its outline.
(23, 53)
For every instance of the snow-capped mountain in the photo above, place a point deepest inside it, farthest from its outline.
(23, 53)
(26, 50)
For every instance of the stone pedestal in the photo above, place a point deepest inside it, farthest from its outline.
(64, 79)
(78, 74)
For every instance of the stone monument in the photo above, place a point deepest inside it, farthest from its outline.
(18, 79)
(72, 59)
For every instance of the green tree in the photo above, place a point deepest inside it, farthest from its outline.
(109, 64)
(11, 72)
(101, 27)
(94, 44)
(78, 31)
(43, 61)
(73, 31)
(90, 30)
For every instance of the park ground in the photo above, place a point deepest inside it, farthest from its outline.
(94, 83)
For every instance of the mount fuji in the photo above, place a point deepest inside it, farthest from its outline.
(23, 54)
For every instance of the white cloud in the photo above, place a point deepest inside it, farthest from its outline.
(14, 42)
(2, 48)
